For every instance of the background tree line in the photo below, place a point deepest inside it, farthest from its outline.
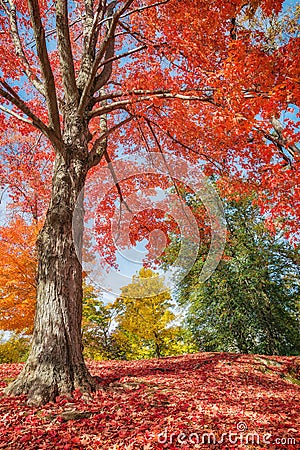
(250, 304)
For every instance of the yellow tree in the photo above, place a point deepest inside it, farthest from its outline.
(145, 321)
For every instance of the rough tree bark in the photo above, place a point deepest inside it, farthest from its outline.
(55, 365)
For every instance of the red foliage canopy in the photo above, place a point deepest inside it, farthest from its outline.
(200, 80)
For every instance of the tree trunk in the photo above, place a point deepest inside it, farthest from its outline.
(55, 365)
(157, 346)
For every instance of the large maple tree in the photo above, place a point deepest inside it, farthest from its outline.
(193, 79)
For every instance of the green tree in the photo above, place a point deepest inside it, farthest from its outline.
(250, 302)
(145, 322)
(97, 323)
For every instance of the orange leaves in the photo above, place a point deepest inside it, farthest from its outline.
(17, 276)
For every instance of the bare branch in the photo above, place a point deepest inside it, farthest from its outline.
(136, 35)
(109, 108)
(136, 10)
(65, 51)
(12, 16)
(187, 147)
(105, 75)
(91, 29)
(162, 154)
(122, 55)
(142, 8)
(49, 84)
(143, 136)
(116, 181)
(14, 114)
(97, 152)
(168, 169)
(207, 92)
(33, 209)
(152, 93)
(123, 103)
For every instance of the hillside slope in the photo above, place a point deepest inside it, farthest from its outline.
(203, 400)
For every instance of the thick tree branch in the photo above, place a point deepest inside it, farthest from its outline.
(12, 16)
(49, 84)
(100, 145)
(91, 30)
(106, 49)
(143, 8)
(152, 93)
(123, 103)
(109, 58)
(278, 127)
(105, 75)
(65, 52)
(109, 108)
(207, 92)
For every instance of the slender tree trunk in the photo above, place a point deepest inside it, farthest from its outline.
(55, 365)
(157, 346)
(157, 350)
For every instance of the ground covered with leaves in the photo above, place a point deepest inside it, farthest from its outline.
(204, 400)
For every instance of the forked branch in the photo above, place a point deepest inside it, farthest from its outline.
(65, 52)
(106, 50)
(49, 83)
